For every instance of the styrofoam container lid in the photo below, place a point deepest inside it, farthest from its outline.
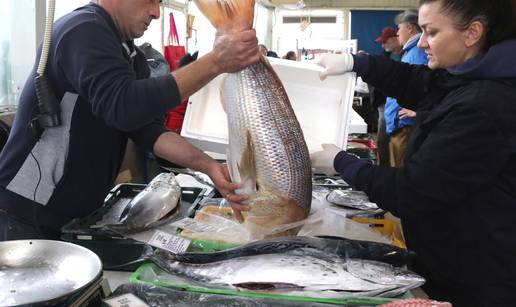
(322, 107)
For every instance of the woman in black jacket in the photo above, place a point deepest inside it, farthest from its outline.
(456, 195)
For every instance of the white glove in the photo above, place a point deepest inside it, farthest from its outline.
(335, 64)
(322, 161)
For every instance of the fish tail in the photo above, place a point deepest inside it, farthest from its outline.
(228, 15)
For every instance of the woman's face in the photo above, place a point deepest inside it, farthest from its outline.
(445, 45)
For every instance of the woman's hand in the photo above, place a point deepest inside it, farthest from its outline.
(406, 113)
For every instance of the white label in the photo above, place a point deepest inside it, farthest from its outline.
(194, 226)
(126, 300)
(171, 243)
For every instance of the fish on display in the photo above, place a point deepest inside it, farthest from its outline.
(159, 200)
(344, 248)
(161, 296)
(267, 153)
(351, 199)
(299, 270)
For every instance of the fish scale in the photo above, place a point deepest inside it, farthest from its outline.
(304, 268)
(257, 105)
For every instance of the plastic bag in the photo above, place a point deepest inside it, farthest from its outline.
(215, 221)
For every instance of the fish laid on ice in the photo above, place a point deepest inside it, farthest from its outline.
(267, 152)
(344, 248)
(300, 269)
(159, 199)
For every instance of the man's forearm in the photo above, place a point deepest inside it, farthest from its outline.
(192, 77)
(172, 147)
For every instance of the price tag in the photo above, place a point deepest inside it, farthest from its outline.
(171, 243)
(194, 226)
(125, 300)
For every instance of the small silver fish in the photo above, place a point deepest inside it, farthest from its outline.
(351, 199)
(158, 199)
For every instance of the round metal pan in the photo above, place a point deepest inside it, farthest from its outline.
(43, 272)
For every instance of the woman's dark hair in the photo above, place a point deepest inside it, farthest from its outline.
(497, 16)
(272, 54)
(291, 55)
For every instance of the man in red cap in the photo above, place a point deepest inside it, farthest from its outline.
(389, 41)
(393, 49)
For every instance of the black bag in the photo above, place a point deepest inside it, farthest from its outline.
(157, 64)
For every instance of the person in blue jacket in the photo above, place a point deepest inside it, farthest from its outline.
(400, 121)
(456, 194)
(106, 98)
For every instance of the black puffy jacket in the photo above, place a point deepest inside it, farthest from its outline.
(456, 195)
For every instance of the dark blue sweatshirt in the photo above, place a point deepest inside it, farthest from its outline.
(106, 97)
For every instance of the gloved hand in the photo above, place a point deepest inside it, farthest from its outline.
(335, 64)
(348, 165)
(322, 161)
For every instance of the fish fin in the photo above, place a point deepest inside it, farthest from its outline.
(233, 167)
(247, 168)
(221, 93)
(228, 15)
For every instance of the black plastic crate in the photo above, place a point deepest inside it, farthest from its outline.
(112, 249)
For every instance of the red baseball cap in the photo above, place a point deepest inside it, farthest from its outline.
(387, 33)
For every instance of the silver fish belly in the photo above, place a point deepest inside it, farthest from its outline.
(267, 153)
(159, 198)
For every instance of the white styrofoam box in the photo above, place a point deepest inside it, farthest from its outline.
(323, 108)
(356, 123)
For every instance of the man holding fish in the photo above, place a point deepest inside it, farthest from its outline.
(106, 97)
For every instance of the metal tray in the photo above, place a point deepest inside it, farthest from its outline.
(44, 272)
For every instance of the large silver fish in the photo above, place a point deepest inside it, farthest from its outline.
(158, 199)
(342, 247)
(299, 269)
(267, 153)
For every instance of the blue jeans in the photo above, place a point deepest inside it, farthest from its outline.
(12, 228)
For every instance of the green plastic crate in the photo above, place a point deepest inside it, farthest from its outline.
(148, 273)
(115, 251)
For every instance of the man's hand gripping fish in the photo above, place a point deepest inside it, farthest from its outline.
(267, 153)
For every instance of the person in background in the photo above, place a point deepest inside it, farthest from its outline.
(50, 176)
(388, 39)
(291, 55)
(400, 121)
(393, 49)
(272, 54)
(456, 194)
(263, 49)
